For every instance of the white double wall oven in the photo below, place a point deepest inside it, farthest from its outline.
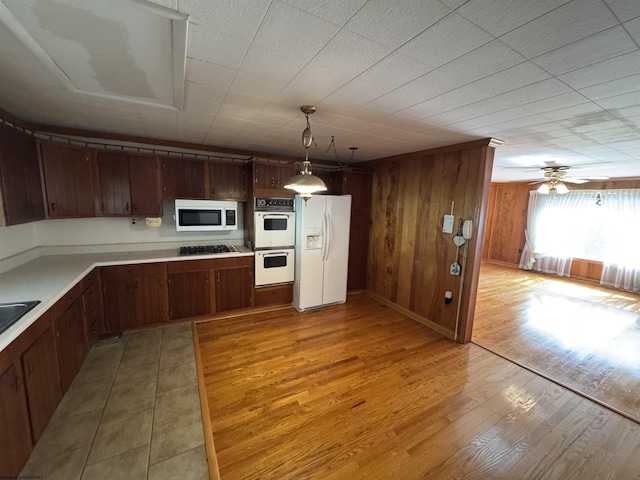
(274, 238)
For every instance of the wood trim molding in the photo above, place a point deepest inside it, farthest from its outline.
(212, 459)
(408, 313)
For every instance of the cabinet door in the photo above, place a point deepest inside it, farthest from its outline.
(150, 292)
(228, 181)
(113, 175)
(182, 178)
(189, 294)
(234, 288)
(70, 338)
(119, 303)
(15, 435)
(20, 182)
(269, 179)
(68, 180)
(42, 380)
(144, 175)
(92, 310)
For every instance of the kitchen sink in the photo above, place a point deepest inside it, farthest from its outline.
(11, 312)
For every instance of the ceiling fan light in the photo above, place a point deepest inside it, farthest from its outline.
(561, 188)
(543, 189)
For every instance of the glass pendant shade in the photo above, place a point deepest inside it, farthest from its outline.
(561, 188)
(543, 189)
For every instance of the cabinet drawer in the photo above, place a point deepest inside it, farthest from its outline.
(67, 300)
(136, 270)
(277, 295)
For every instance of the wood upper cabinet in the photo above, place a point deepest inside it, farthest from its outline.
(70, 338)
(20, 181)
(134, 295)
(269, 179)
(42, 380)
(15, 434)
(228, 181)
(183, 178)
(146, 187)
(68, 178)
(129, 184)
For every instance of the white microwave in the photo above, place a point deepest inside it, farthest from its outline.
(206, 215)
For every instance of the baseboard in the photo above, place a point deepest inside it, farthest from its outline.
(414, 316)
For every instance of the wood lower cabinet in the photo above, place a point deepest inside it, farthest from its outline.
(207, 287)
(15, 433)
(42, 380)
(234, 285)
(71, 342)
(273, 295)
(92, 309)
(134, 296)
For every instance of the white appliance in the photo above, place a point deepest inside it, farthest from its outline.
(274, 229)
(322, 251)
(206, 215)
(274, 266)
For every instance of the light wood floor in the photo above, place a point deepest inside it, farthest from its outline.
(360, 391)
(586, 337)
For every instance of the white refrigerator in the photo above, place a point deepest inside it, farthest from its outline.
(322, 251)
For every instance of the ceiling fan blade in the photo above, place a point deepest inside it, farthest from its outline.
(537, 181)
(595, 177)
(573, 180)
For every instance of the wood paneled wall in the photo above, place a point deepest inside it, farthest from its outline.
(409, 256)
(507, 219)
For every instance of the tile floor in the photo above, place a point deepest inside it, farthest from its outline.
(132, 412)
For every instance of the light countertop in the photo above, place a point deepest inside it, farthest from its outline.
(49, 277)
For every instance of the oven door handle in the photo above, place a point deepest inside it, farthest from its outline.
(277, 215)
(274, 254)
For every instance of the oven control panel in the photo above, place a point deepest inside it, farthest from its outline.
(273, 204)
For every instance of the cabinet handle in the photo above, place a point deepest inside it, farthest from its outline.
(201, 191)
(135, 206)
(217, 276)
(126, 206)
(53, 205)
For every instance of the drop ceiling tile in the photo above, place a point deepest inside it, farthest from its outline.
(625, 9)
(311, 85)
(237, 19)
(478, 109)
(482, 62)
(214, 46)
(450, 38)
(337, 102)
(491, 119)
(612, 69)
(209, 74)
(564, 100)
(498, 18)
(349, 53)
(453, 3)
(562, 26)
(428, 86)
(497, 129)
(404, 71)
(203, 93)
(511, 79)
(257, 85)
(536, 92)
(586, 121)
(283, 43)
(448, 101)
(596, 48)
(356, 91)
(620, 101)
(633, 27)
(334, 11)
(394, 23)
(613, 88)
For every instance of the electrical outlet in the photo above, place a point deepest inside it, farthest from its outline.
(519, 250)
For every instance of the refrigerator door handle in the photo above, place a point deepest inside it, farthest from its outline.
(325, 228)
(327, 239)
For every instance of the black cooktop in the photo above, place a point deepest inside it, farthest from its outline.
(206, 249)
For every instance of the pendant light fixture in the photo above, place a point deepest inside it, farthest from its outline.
(305, 183)
(553, 186)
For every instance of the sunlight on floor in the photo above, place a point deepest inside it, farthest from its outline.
(585, 328)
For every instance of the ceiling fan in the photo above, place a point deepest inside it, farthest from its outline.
(555, 177)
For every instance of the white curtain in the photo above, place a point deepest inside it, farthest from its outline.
(620, 254)
(558, 226)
